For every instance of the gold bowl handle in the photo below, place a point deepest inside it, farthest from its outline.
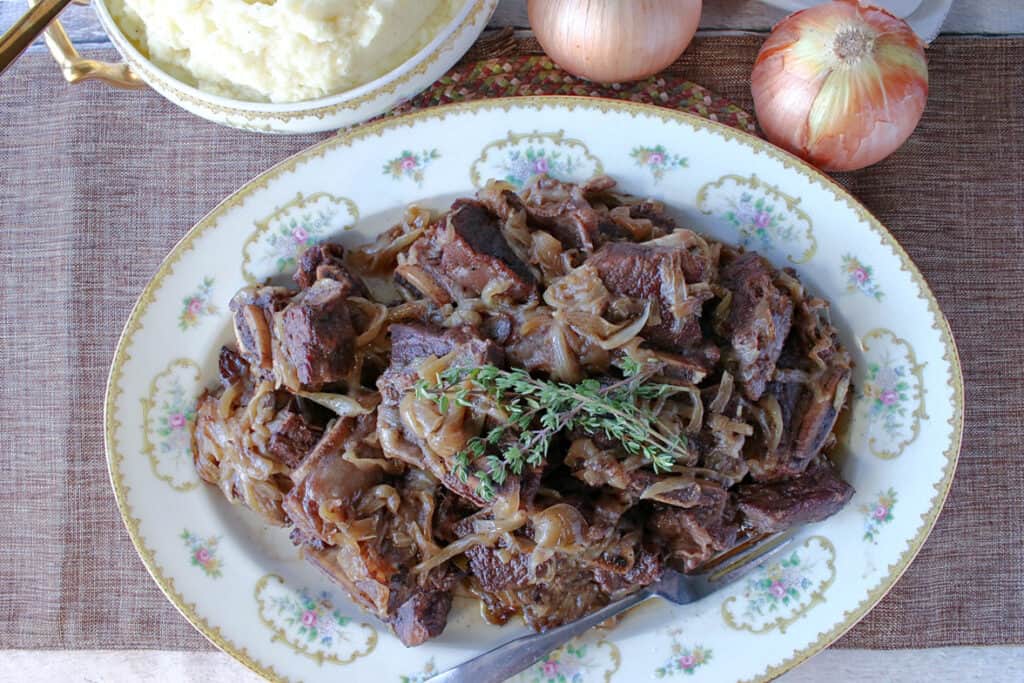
(77, 68)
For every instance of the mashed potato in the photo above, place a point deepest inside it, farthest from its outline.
(279, 50)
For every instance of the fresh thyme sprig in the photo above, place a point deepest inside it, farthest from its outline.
(539, 409)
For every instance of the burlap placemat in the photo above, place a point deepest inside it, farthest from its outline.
(97, 185)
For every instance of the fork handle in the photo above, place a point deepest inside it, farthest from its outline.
(24, 31)
(510, 658)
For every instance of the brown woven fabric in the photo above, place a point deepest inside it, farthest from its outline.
(97, 186)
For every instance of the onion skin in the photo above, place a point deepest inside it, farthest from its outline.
(614, 41)
(840, 84)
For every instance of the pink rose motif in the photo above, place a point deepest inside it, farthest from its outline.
(177, 421)
(309, 618)
(408, 163)
(300, 235)
(762, 219)
(889, 397)
(195, 306)
(777, 589)
(687, 662)
(541, 165)
(860, 275)
(655, 159)
(880, 512)
(202, 556)
(551, 667)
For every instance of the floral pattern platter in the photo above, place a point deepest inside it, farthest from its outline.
(245, 588)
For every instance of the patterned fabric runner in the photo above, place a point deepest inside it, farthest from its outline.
(538, 75)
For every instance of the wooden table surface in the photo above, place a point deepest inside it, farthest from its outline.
(996, 17)
(966, 17)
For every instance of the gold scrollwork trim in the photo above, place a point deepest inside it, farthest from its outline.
(755, 183)
(919, 413)
(616, 657)
(377, 129)
(281, 636)
(148, 449)
(263, 225)
(512, 139)
(816, 597)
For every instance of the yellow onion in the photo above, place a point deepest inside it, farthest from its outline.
(842, 85)
(612, 41)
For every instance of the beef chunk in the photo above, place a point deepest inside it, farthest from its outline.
(496, 574)
(291, 437)
(659, 273)
(560, 589)
(421, 616)
(758, 323)
(416, 609)
(463, 253)
(694, 535)
(617, 573)
(562, 209)
(412, 343)
(317, 336)
(655, 213)
(376, 568)
(231, 367)
(810, 403)
(690, 366)
(814, 495)
(327, 261)
(809, 413)
(253, 310)
(478, 253)
(327, 483)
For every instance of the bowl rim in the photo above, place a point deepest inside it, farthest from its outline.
(951, 354)
(388, 83)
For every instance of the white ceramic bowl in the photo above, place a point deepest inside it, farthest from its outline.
(326, 113)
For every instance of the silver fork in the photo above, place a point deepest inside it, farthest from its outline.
(510, 658)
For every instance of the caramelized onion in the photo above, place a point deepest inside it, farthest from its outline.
(721, 314)
(227, 400)
(506, 507)
(772, 412)
(724, 394)
(456, 548)
(723, 424)
(559, 527)
(792, 285)
(667, 485)
(381, 256)
(377, 315)
(500, 526)
(388, 494)
(443, 434)
(342, 405)
(423, 283)
(494, 289)
(362, 529)
(257, 323)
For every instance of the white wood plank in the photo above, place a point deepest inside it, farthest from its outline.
(940, 665)
(967, 16)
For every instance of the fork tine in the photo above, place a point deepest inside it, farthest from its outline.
(737, 551)
(746, 557)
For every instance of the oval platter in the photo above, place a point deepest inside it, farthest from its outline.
(243, 585)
